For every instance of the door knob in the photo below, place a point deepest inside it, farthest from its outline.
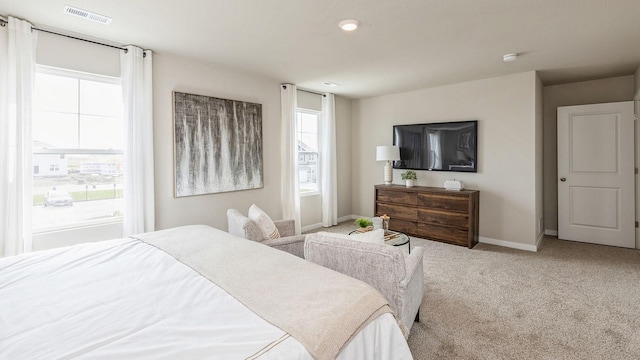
(563, 179)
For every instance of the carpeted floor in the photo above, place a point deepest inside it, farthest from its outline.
(568, 301)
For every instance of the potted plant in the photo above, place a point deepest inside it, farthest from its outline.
(365, 224)
(409, 177)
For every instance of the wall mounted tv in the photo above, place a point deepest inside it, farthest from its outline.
(446, 146)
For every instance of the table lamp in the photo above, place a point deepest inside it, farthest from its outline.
(388, 154)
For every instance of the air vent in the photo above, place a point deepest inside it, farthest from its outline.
(87, 15)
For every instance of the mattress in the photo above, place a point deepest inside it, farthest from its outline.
(125, 298)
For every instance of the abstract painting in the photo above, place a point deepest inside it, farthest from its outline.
(217, 145)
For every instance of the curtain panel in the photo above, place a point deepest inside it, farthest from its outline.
(139, 209)
(17, 75)
(289, 151)
(328, 172)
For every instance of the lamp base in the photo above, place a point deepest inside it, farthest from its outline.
(388, 173)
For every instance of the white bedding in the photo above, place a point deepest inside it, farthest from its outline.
(127, 299)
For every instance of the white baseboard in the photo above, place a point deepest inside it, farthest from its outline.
(311, 227)
(508, 244)
(319, 225)
(539, 242)
(348, 217)
(485, 240)
(551, 232)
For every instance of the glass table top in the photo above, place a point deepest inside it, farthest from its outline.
(394, 238)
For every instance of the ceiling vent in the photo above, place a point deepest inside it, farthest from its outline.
(87, 15)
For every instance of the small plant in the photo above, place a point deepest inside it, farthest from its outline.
(409, 175)
(364, 222)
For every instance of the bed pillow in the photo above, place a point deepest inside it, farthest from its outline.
(375, 236)
(269, 229)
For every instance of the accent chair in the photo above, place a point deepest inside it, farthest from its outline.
(244, 227)
(399, 277)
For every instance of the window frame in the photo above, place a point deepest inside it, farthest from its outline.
(318, 114)
(77, 75)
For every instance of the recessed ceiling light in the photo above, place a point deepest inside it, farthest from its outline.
(509, 57)
(87, 15)
(331, 83)
(349, 24)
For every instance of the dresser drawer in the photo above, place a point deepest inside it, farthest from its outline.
(398, 197)
(430, 213)
(444, 202)
(443, 233)
(438, 217)
(403, 226)
(397, 211)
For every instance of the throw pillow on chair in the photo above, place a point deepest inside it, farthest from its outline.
(265, 223)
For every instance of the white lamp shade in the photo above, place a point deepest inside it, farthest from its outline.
(387, 153)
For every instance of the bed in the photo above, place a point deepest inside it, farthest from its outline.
(190, 292)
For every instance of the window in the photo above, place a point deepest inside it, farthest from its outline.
(308, 155)
(78, 141)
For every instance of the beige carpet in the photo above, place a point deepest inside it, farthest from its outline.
(568, 301)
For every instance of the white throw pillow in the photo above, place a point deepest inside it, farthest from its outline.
(269, 229)
(375, 236)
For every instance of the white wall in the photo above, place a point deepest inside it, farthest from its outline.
(308, 100)
(508, 142)
(637, 85)
(539, 163)
(636, 97)
(580, 93)
(175, 73)
(505, 105)
(66, 53)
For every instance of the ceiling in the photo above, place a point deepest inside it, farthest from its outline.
(400, 46)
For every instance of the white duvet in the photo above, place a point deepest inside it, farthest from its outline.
(125, 299)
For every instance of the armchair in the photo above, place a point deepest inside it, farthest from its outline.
(399, 278)
(244, 227)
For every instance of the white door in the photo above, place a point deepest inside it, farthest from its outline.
(596, 196)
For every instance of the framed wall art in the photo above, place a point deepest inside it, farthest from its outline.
(217, 145)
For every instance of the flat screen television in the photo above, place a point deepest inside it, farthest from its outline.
(446, 146)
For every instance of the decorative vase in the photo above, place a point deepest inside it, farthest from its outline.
(409, 182)
(385, 223)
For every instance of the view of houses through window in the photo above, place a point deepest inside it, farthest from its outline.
(308, 161)
(78, 141)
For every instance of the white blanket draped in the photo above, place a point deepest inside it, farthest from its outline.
(127, 299)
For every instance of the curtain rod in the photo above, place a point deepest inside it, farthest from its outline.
(81, 39)
(311, 92)
(284, 86)
(3, 23)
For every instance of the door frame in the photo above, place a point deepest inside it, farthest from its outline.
(635, 186)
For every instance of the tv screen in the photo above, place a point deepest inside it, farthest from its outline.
(447, 146)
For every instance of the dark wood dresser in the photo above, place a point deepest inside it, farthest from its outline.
(431, 213)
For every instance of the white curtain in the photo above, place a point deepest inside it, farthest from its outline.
(329, 180)
(290, 185)
(17, 73)
(139, 209)
(435, 161)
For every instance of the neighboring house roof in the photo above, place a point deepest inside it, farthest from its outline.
(305, 147)
(37, 144)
